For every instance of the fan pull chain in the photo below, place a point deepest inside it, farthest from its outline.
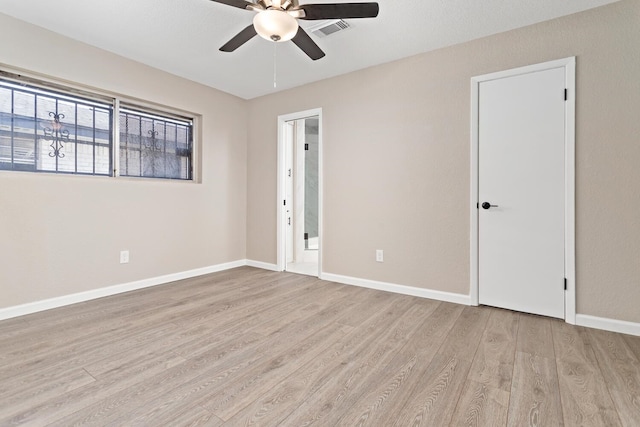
(274, 65)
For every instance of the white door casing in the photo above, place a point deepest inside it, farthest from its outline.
(523, 162)
(282, 185)
(296, 140)
(289, 186)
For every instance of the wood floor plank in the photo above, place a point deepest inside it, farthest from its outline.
(103, 402)
(294, 327)
(276, 404)
(110, 362)
(621, 368)
(485, 396)
(239, 303)
(21, 398)
(248, 347)
(10, 328)
(464, 337)
(192, 378)
(81, 353)
(189, 342)
(175, 416)
(493, 361)
(110, 310)
(296, 342)
(366, 307)
(80, 399)
(226, 399)
(105, 325)
(535, 399)
(336, 396)
(388, 390)
(534, 336)
(326, 302)
(130, 308)
(435, 395)
(585, 398)
(634, 344)
(481, 405)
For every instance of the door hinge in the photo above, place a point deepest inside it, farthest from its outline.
(566, 94)
(306, 147)
(565, 283)
(478, 205)
(285, 203)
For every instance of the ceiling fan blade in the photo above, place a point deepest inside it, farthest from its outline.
(308, 46)
(241, 4)
(339, 11)
(241, 38)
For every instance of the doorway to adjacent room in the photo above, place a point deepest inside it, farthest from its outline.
(299, 199)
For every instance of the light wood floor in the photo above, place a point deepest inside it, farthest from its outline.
(251, 347)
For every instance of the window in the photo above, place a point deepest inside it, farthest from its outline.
(47, 128)
(45, 131)
(154, 146)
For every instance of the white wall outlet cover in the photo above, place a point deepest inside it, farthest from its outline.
(124, 257)
(379, 255)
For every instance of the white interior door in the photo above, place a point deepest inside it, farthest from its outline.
(299, 190)
(521, 183)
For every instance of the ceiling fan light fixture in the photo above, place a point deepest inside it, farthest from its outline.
(275, 25)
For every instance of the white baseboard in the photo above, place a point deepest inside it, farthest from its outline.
(399, 289)
(262, 265)
(607, 324)
(47, 304)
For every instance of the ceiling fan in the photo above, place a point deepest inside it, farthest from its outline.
(276, 21)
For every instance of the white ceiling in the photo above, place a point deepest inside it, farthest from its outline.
(183, 37)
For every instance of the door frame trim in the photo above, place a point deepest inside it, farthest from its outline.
(569, 65)
(281, 234)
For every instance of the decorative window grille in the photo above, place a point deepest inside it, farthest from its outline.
(46, 131)
(155, 145)
(45, 127)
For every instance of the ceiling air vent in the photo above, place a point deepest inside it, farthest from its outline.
(329, 27)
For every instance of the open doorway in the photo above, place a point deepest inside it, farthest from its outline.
(299, 187)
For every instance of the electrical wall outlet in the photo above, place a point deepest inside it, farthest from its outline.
(379, 255)
(124, 257)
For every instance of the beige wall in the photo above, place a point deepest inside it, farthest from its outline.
(62, 234)
(396, 159)
(396, 170)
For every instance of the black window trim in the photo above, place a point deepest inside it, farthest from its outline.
(100, 98)
(141, 111)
